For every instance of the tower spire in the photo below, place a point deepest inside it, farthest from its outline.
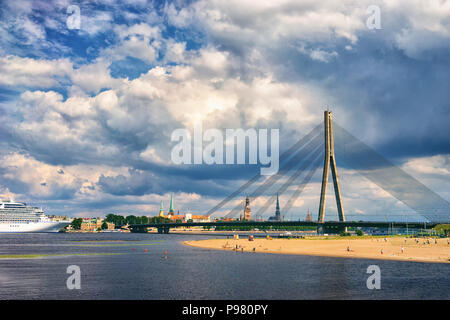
(330, 160)
(247, 211)
(277, 210)
(161, 210)
(171, 211)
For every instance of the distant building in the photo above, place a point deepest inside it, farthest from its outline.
(188, 217)
(171, 214)
(196, 218)
(200, 218)
(277, 216)
(90, 224)
(161, 210)
(247, 211)
(111, 226)
(94, 224)
(308, 217)
(180, 217)
(171, 211)
(176, 217)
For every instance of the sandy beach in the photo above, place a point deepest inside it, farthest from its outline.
(352, 247)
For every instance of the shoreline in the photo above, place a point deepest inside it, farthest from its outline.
(360, 248)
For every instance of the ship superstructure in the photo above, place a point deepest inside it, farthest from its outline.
(19, 217)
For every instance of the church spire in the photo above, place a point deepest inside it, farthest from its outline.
(277, 210)
(247, 211)
(161, 210)
(171, 204)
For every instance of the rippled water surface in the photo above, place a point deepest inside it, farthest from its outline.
(116, 266)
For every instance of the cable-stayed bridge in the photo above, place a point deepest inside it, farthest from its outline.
(298, 165)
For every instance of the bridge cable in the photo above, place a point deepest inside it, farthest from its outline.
(294, 161)
(390, 177)
(302, 185)
(286, 155)
(318, 152)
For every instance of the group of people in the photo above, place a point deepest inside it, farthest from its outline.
(416, 240)
(429, 241)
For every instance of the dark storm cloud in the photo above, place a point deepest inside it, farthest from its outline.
(141, 183)
(400, 103)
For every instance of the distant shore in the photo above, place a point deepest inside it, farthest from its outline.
(352, 247)
(259, 233)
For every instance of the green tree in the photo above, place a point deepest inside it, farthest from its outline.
(110, 218)
(131, 219)
(159, 219)
(76, 223)
(116, 219)
(443, 229)
(104, 225)
(144, 220)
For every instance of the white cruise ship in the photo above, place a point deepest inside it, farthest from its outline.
(18, 217)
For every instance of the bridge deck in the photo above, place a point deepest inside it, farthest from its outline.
(338, 224)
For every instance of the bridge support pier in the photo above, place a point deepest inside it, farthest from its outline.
(163, 230)
(139, 229)
(330, 160)
(332, 229)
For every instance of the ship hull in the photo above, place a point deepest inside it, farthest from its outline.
(30, 227)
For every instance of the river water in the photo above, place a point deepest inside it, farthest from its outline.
(117, 266)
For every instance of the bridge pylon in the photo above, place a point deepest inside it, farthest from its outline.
(330, 160)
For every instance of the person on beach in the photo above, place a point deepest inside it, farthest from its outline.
(403, 250)
(348, 249)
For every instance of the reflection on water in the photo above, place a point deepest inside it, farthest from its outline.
(141, 272)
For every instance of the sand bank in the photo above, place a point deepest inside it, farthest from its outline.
(352, 247)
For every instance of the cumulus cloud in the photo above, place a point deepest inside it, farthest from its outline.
(36, 179)
(427, 25)
(37, 73)
(93, 77)
(437, 164)
(139, 41)
(318, 54)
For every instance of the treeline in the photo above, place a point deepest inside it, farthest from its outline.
(76, 224)
(249, 228)
(120, 221)
(443, 229)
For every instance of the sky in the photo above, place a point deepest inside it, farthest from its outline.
(86, 114)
